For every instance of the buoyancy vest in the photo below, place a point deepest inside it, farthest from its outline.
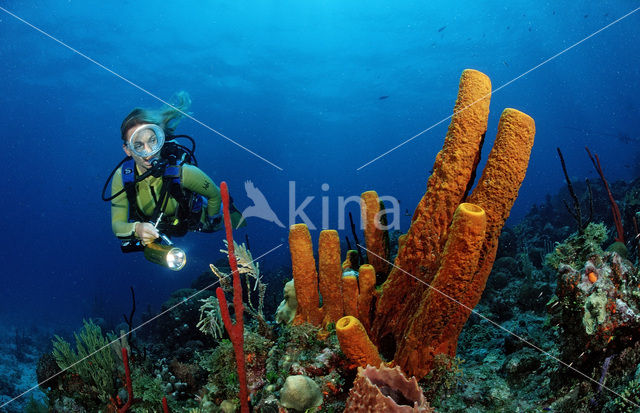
(190, 204)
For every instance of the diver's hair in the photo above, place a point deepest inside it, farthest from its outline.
(166, 117)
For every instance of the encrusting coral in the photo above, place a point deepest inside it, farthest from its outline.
(597, 302)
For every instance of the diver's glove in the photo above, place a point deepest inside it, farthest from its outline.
(212, 224)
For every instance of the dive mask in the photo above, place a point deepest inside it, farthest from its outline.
(146, 140)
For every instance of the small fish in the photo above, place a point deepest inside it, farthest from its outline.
(540, 295)
(406, 213)
(383, 97)
(441, 29)
(504, 62)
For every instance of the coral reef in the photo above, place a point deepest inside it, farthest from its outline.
(592, 323)
(597, 303)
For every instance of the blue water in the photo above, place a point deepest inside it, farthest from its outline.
(318, 88)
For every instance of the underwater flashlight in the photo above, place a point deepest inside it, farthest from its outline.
(166, 255)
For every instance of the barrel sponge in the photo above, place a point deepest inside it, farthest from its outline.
(350, 295)
(304, 275)
(442, 313)
(376, 238)
(385, 389)
(330, 270)
(355, 343)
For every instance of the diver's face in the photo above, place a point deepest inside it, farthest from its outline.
(144, 163)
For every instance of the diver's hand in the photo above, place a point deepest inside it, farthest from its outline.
(212, 224)
(146, 232)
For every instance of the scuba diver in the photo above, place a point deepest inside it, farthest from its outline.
(157, 190)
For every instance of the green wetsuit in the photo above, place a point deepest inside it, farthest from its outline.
(148, 190)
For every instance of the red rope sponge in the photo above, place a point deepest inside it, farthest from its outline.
(235, 330)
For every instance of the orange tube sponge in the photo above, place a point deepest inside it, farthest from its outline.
(351, 262)
(376, 238)
(304, 275)
(435, 327)
(355, 343)
(330, 271)
(401, 239)
(367, 287)
(350, 295)
(498, 186)
(452, 175)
